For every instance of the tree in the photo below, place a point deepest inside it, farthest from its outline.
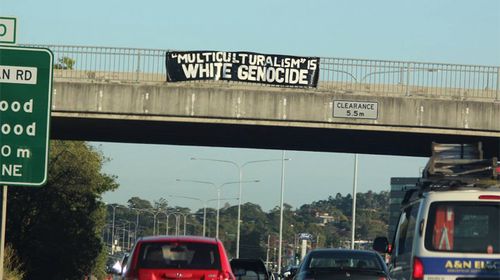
(161, 203)
(137, 202)
(56, 229)
(65, 63)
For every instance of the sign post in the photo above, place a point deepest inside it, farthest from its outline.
(2, 231)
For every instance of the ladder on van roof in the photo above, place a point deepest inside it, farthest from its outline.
(459, 165)
(455, 166)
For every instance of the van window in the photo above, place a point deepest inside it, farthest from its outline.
(406, 230)
(182, 255)
(466, 227)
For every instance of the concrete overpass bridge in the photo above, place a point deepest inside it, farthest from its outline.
(121, 95)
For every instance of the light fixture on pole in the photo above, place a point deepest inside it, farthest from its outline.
(218, 188)
(114, 206)
(137, 211)
(155, 214)
(204, 208)
(240, 172)
(205, 204)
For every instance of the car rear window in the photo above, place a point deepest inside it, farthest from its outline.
(341, 260)
(180, 255)
(246, 269)
(255, 266)
(465, 227)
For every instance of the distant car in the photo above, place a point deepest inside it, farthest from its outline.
(289, 272)
(249, 269)
(123, 263)
(342, 264)
(114, 264)
(178, 257)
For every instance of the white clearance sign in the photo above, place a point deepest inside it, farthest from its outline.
(355, 109)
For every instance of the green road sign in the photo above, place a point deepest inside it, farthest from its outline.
(25, 93)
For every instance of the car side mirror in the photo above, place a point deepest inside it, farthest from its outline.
(381, 245)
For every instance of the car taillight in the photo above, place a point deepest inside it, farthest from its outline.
(418, 269)
(382, 278)
(224, 275)
(490, 197)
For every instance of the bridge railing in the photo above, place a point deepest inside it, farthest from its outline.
(411, 78)
(336, 74)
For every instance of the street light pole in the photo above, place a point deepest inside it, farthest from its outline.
(218, 188)
(168, 224)
(204, 219)
(136, 224)
(205, 204)
(113, 227)
(240, 173)
(137, 211)
(113, 232)
(154, 213)
(218, 210)
(238, 227)
(204, 208)
(281, 208)
(354, 186)
(154, 222)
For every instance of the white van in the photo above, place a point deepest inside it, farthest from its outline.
(448, 229)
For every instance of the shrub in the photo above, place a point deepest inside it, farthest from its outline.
(12, 266)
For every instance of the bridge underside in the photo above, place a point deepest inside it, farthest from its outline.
(263, 136)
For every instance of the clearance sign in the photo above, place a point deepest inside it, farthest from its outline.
(291, 71)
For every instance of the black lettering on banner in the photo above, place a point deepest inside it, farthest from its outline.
(291, 71)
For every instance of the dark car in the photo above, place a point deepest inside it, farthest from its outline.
(249, 269)
(178, 257)
(342, 264)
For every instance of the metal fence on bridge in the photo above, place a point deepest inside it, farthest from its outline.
(336, 74)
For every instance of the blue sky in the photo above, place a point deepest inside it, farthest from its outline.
(459, 32)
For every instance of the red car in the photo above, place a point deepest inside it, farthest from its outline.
(178, 257)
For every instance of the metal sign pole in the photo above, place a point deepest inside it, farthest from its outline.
(2, 235)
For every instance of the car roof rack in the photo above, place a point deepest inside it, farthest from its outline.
(456, 166)
(459, 165)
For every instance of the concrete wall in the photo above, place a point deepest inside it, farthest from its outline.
(232, 103)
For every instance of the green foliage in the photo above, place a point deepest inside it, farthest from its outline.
(12, 266)
(259, 227)
(57, 228)
(136, 202)
(65, 63)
